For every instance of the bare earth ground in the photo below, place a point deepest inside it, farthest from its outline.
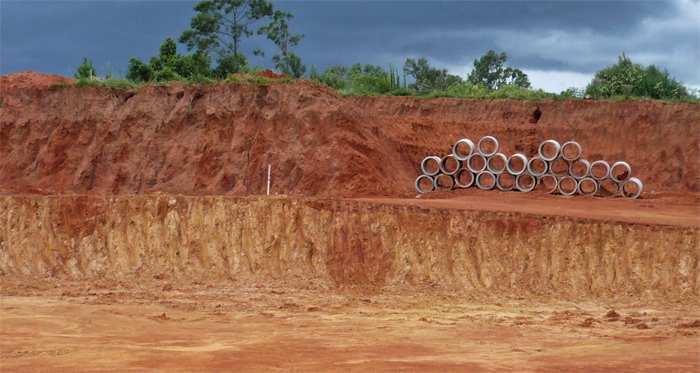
(171, 325)
(145, 185)
(81, 326)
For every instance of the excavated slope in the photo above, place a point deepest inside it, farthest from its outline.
(342, 243)
(218, 139)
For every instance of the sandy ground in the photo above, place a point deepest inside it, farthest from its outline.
(93, 327)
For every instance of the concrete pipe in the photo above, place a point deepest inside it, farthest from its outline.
(505, 182)
(549, 150)
(571, 151)
(587, 187)
(517, 164)
(487, 146)
(559, 166)
(462, 149)
(476, 163)
(464, 178)
(485, 180)
(580, 168)
(608, 188)
(620, 171)
(425, 184)
(600, 170)
(537, 166)
(430, 165)
(547, 183)
(567, 186)
(444, 182)
(525, 182)
(449, 165)
(632, 188)
(496, 163)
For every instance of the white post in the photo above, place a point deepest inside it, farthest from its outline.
(269, 170)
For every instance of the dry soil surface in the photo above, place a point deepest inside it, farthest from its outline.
(98, 327)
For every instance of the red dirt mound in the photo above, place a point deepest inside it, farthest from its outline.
(220, 138)
(29, 80)
(271, 74)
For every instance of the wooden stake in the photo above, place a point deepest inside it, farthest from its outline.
(269, 170)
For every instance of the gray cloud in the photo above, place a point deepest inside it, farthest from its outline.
(562, 37)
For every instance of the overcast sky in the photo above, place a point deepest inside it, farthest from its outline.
(558, 44)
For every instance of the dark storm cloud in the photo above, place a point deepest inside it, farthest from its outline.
(571, 37)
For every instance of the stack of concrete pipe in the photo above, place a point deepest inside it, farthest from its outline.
(557, 168)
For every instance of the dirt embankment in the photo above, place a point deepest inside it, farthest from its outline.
(343, 244)
(219, 139)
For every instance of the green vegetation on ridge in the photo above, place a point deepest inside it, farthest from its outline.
(219, 28)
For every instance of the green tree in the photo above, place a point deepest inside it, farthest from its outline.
(428, 78)
(627, 78)
(230, 64)
(335, 76)
(139, 71)
(490, 71)
(278, 32)
(169, 65)
(86, 70)
(219, 27)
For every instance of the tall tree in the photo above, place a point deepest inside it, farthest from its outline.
(219, 26)
(278, 32)
(490, 71)
(428, 78)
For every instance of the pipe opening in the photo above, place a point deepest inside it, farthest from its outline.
(559, 166)
(632, 188)
(517, 164)
(571, 151)
(547, 183)
(505, 182)
(537, 166)
(600, 170)
(476, 163)
(485, 180)
(430, 165)
(464, 178)
(462, 149)
(567, 185)
(444, 182)
(580, 168)
(587, 186)
(449, 164)
(525, 182)
(549, 150)
(425, 184)
(488, 146)
(497, 163)
(620, 171)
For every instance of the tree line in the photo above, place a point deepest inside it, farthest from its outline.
(219, 28)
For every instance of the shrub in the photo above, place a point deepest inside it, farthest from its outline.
(166, 74)
(628, 79)
(469, 90)
(231, 64)
(335, 76)
(139, 71)
(85, 70)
